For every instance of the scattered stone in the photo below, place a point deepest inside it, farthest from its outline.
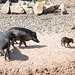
(37, 70)
(31, 4)
(38, 8)
(43, 2)
(63, 9)
(49, 3)
(27, 3)
(48, 8)
(24, 6)
(6, 7)
(56, 6)
(17, 9)
(62, 6)
(22, 2)
(29, 10)
(46, 69)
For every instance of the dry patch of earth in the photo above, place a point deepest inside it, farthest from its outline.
(45, 58)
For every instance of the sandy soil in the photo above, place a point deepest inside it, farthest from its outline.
(47, 57)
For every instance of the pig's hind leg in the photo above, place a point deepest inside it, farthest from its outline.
(24, 43)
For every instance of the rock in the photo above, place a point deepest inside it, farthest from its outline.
(17, 9)
(31, 4)
(63, 9)
(6, 7)
(23, 3)
(49, 3)
(48, 8)
(29, 10)
(43, 2)
(24, 6)
(56, 6)
(27, 3)
(34, 1)
(62, 6)
(38, 8)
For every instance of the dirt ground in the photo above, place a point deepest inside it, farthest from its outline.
(47, 57)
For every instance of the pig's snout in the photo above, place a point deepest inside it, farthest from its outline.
(36, 40)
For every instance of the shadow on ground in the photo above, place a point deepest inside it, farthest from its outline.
(72, 47)
(33, 46)
(15, 54)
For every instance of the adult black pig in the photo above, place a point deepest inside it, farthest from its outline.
(4, 44)
(21, 34)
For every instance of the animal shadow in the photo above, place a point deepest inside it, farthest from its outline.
(33, 46)
(72, 47)
(15, 54)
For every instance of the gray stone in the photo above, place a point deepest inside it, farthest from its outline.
(63, 9)
(56, 6)
(49, 3)
(17, 9)
(31, 4)
(27, 3)
(38, 8)
(29, 10)
(6, 7)
(23, 2)
(48, 8)
(43, 2)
